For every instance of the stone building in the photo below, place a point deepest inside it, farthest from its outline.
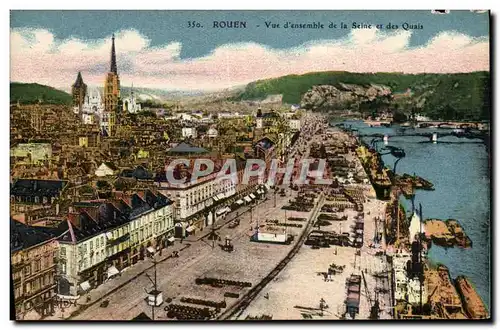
(78, 91)
(33, 260)
(103, 238)
(27, 194)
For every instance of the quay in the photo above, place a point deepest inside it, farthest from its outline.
(419, 290)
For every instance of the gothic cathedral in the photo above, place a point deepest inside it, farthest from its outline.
(111, 96)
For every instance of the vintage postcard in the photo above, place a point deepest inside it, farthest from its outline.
(250, 165)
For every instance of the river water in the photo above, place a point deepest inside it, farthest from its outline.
(458, 168)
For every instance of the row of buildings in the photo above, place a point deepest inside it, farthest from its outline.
(89, 194)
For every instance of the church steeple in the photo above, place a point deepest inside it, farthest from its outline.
(113, 55)
(79, 80)
(79, 91)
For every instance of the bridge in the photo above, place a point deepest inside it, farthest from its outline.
(431, 123)
(434, 136)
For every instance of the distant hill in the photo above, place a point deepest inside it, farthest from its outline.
(457, 96)
(32, 93)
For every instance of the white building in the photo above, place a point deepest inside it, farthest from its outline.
(189, 132)
(419, 117)
(130, 104)
(106, 169)
(191, 198)
(186, 117)
(99, 244)
(212, 132)
(227, 115)
(294, 124)
(93, 103)
(271, 234)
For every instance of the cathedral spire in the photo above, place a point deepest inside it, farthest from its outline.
(113, 55)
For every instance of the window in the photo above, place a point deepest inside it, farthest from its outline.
(27, 270)
(91, 245)
(27, 288)
(37, 265)
(62, 251)
(102, 240)
(17, 293)
(36, 284)
(97, 243)
(17, 275)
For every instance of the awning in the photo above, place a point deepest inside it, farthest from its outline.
(239, 202)
(151, 249)
(253, 196)
(221, 196)
(109, 235)
(248, 199)
(112, 271)
(190, 229)
(171, 239)
(221, 211)
(85, 285)
(215, 198)
(228, 209)
(70, 298)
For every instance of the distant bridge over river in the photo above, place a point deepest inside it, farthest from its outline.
(466, 133)
(431, 123)
(434, 136)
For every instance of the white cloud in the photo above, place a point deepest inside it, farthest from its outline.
(37, 57)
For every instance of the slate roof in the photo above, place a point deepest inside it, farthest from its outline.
(23, 236)
(186, 148)
(107, 216)
(79, 81)
(34, 187)
(139, 173)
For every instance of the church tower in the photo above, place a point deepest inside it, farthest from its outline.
(111, 95)
(78, 91)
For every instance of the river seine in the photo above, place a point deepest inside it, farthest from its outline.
(459, 170)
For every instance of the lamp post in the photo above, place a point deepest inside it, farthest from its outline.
(155, 297)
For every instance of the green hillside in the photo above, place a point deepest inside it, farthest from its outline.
(454, 96)
(32, 93)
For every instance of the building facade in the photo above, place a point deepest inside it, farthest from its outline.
(130, 104)
(105, 238)
(78, 92)
(33, 260)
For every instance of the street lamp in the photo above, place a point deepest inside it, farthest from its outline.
(155, 297)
